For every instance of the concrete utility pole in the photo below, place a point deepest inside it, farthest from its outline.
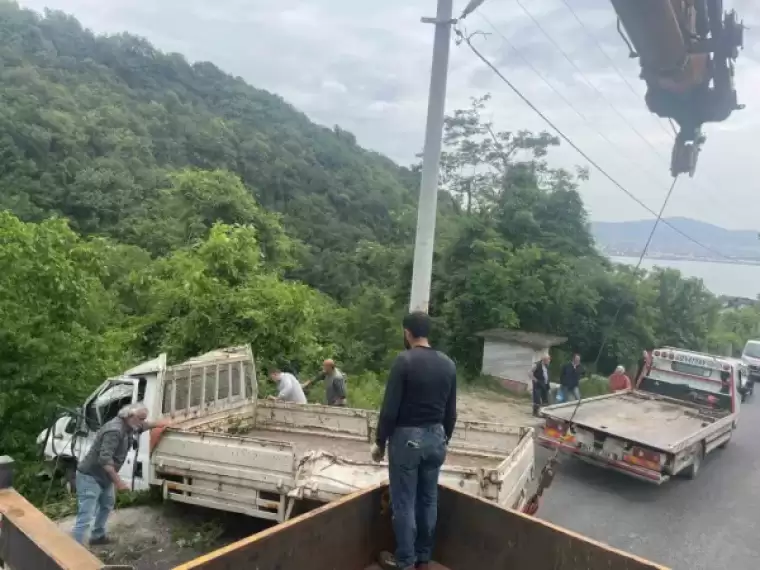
(428, 204)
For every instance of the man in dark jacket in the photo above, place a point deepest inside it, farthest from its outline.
(416, 422)
(541, 384)
(570, 379)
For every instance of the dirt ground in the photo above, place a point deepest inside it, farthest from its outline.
(161, 537)
(488, 406)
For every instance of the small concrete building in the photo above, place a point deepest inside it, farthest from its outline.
(509, 355)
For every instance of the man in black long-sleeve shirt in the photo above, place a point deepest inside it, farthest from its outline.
(416, 421)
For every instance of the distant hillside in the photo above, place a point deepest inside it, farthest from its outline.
(628, 238)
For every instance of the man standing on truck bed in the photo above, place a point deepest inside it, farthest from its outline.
(97, 478)
(570, 379)
(335, 383)
(416, 421)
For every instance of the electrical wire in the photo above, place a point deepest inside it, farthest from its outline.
(556, 44)
(462, 38)
(547, 474)
(559, 94)
(609, 59)
(598, 91)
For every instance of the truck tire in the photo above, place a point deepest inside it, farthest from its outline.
(692, 470)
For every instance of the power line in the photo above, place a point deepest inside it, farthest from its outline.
(569, 141)
(599, 92)
(607, 56)
(546, 476)
(559, 93)
(588, 82)
(638, 266)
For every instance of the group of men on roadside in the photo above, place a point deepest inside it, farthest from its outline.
(570, 379)
(569, 382)
(416, 423)
(289, 389)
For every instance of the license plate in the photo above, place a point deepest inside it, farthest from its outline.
(599, 453)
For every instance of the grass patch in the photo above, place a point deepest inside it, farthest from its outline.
(485, 383)
(594, 385)
(66, 505)
(200, 537)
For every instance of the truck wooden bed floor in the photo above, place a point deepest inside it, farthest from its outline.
(355, 450)
(656, 423)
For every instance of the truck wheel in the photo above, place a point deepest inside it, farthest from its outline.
(692, 470)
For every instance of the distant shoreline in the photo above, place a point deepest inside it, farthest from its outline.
(750, 262)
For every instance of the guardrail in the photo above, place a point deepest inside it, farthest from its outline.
(31, 541)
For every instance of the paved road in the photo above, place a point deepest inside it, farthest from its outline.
(711, 523)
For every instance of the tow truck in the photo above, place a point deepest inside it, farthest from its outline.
(685, 405)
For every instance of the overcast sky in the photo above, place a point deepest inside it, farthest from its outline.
(365, 66)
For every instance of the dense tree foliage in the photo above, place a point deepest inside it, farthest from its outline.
(149, 205)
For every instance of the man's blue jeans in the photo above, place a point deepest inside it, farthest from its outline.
(94, 505)
(571, 394)
(415, 457)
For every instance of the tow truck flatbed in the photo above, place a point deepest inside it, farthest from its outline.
(654, 421)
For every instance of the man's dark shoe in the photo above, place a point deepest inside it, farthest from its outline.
(422, 566)
(100, 541)
(388, 562)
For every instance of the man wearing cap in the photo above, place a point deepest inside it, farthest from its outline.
(335, 383)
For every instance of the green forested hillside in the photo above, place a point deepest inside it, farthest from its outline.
(149, 204)
(90, 126)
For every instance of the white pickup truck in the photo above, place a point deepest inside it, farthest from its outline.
(229, 450)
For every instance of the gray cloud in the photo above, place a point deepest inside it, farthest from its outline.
(366, 67)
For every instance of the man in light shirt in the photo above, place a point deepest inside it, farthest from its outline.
(288, 387)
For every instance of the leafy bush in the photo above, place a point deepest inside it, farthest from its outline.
(594, 385)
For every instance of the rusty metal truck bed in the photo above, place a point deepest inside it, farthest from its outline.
(348, 535)
(660, 423)
(471, 534)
